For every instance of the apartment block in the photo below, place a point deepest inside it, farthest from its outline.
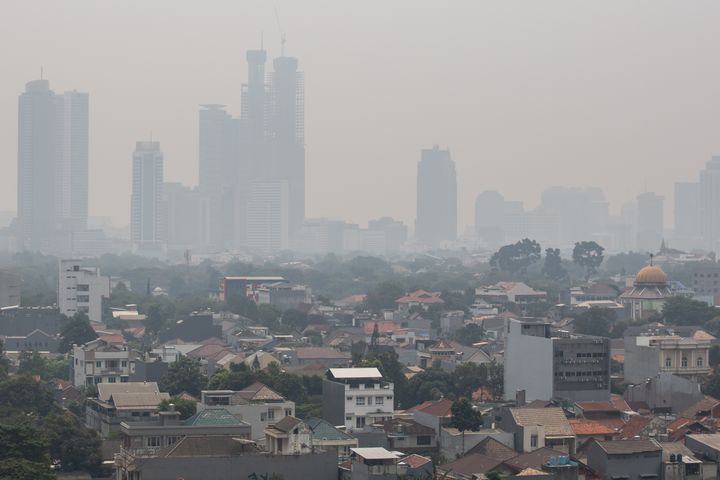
(82, 289)
(356, 397)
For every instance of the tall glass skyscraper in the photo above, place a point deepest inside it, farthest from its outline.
(436, 220)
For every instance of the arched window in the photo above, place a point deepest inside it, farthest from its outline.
(684, 362)
(668, 362)
(699, 362)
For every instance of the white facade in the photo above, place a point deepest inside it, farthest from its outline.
(81, 289)
(97, 362)
(528, 364)
(72, 173)
(368, 404)
(147, 210)
(267, 216)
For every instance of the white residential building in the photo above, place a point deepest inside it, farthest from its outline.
(356, 397)
(257, 405)
(81, 289)
(101, 361)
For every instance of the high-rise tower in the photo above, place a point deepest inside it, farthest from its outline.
(72, 173)
(710, 204)
(436, 198)
(147, 222)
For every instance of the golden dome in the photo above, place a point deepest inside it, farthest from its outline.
(651, 274)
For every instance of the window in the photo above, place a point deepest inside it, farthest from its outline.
(359, 400)
(349, 397)
(288, 412)
(699, 362)
(263, 416)
(124, 363)
(271, 414)
(684, 362)
(98, 380)
(369, 400)
(123, 379)
(172, 440)
(533, 441)
(153, 441)
(379, 400)
(668, 362)
(98, 364)
(112, 380)
(83, 298)
(83, 288)
(348, 418)
(360, 422)
(423, 439)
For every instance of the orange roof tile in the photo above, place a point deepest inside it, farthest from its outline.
(421, 296)
(384, 326)
(590, 427)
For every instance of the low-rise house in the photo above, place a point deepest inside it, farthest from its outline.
(417, 466)
(36, 340)
(323, 356)
(535, 428)
(635, 459)
(419, 298)
(503, 293)
(454, 443)
(327, 437)
(101, 361)
(373, 463)
(122, 402)
(434, 414)
(704, 445)
(257, 405)
(586, 430)
(679, 463)
(289, 436)
(409, 436)
(198, 326)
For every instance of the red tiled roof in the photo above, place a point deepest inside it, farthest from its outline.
(114, 338)
(590, 427)
(614, 423)
(439, 408)
(421, 296)
(619, 403)
(384, 326)
(634, 426)
(415, 461)
(619, 357)
(320, 353)
(678, 423)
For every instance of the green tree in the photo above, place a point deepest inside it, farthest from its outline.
(72, 446)
(714, 356)
(595, 321)
(23, 395)
(685, 311)
(468, 377)
(496, 379)
(4, 362)
(23, 450)
(186, 407)
(156, 319)
(516, 258)
(184, 376)
(20, 469)
(76, 331)
(384, 295)
(464, 418)
(712, 387)
(470, 334)
(552, 267)
(295, 319)
(589, 255)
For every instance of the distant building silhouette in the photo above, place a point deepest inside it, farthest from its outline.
(710, 204)
(148, 215)
(52, 166)
(267, 216)
(649, 221)
(687, 215)
(436, 198)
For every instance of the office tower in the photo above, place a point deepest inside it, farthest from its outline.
(710, 204)
(649, 222)
(287, 130)
(582, 212)
(37, 159)
(267, 216)
(186, 217)
(72, 172)
(220, 178)
(436, 198)
(147, 214)
(490, 211)
(395, 232)
(687, 214)
(81, 289)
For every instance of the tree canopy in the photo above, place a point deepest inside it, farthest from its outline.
(76, 331)
(516, 257)
(588, 255)
(184, 375)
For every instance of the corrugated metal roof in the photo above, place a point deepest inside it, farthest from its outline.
(341, 373)
(374, 453)
(212, 416)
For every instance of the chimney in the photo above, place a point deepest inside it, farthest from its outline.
(520, 398)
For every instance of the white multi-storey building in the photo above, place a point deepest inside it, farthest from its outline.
(147, 210)
(356, 397)
(81, 289)
(102, 361)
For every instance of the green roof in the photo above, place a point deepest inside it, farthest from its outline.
(212, 416)
(324, 430)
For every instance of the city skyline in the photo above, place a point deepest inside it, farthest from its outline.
(476, 133)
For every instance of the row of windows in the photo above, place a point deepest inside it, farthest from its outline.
(560, 354)
(684, 362)
(96, 380)
(360, 400)
(582, 373)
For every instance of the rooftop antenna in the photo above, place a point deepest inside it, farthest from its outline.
(282, 34)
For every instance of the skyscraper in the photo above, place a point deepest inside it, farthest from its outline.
(37, 163)
(147, 214)
(687, 215)
(287, 130)
(220, 177)
(649, 221)
(710, 204)
(267, 216)
(72, 172)
(436, 198)
(52, 165)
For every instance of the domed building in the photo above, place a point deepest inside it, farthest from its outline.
(648, 294)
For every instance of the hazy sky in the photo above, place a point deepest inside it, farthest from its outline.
(622, 94)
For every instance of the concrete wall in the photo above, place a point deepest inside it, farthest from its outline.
(665, 391)
(319, 466)
(632, 467)
(528, 365)
(640, 362)
(333, 406)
